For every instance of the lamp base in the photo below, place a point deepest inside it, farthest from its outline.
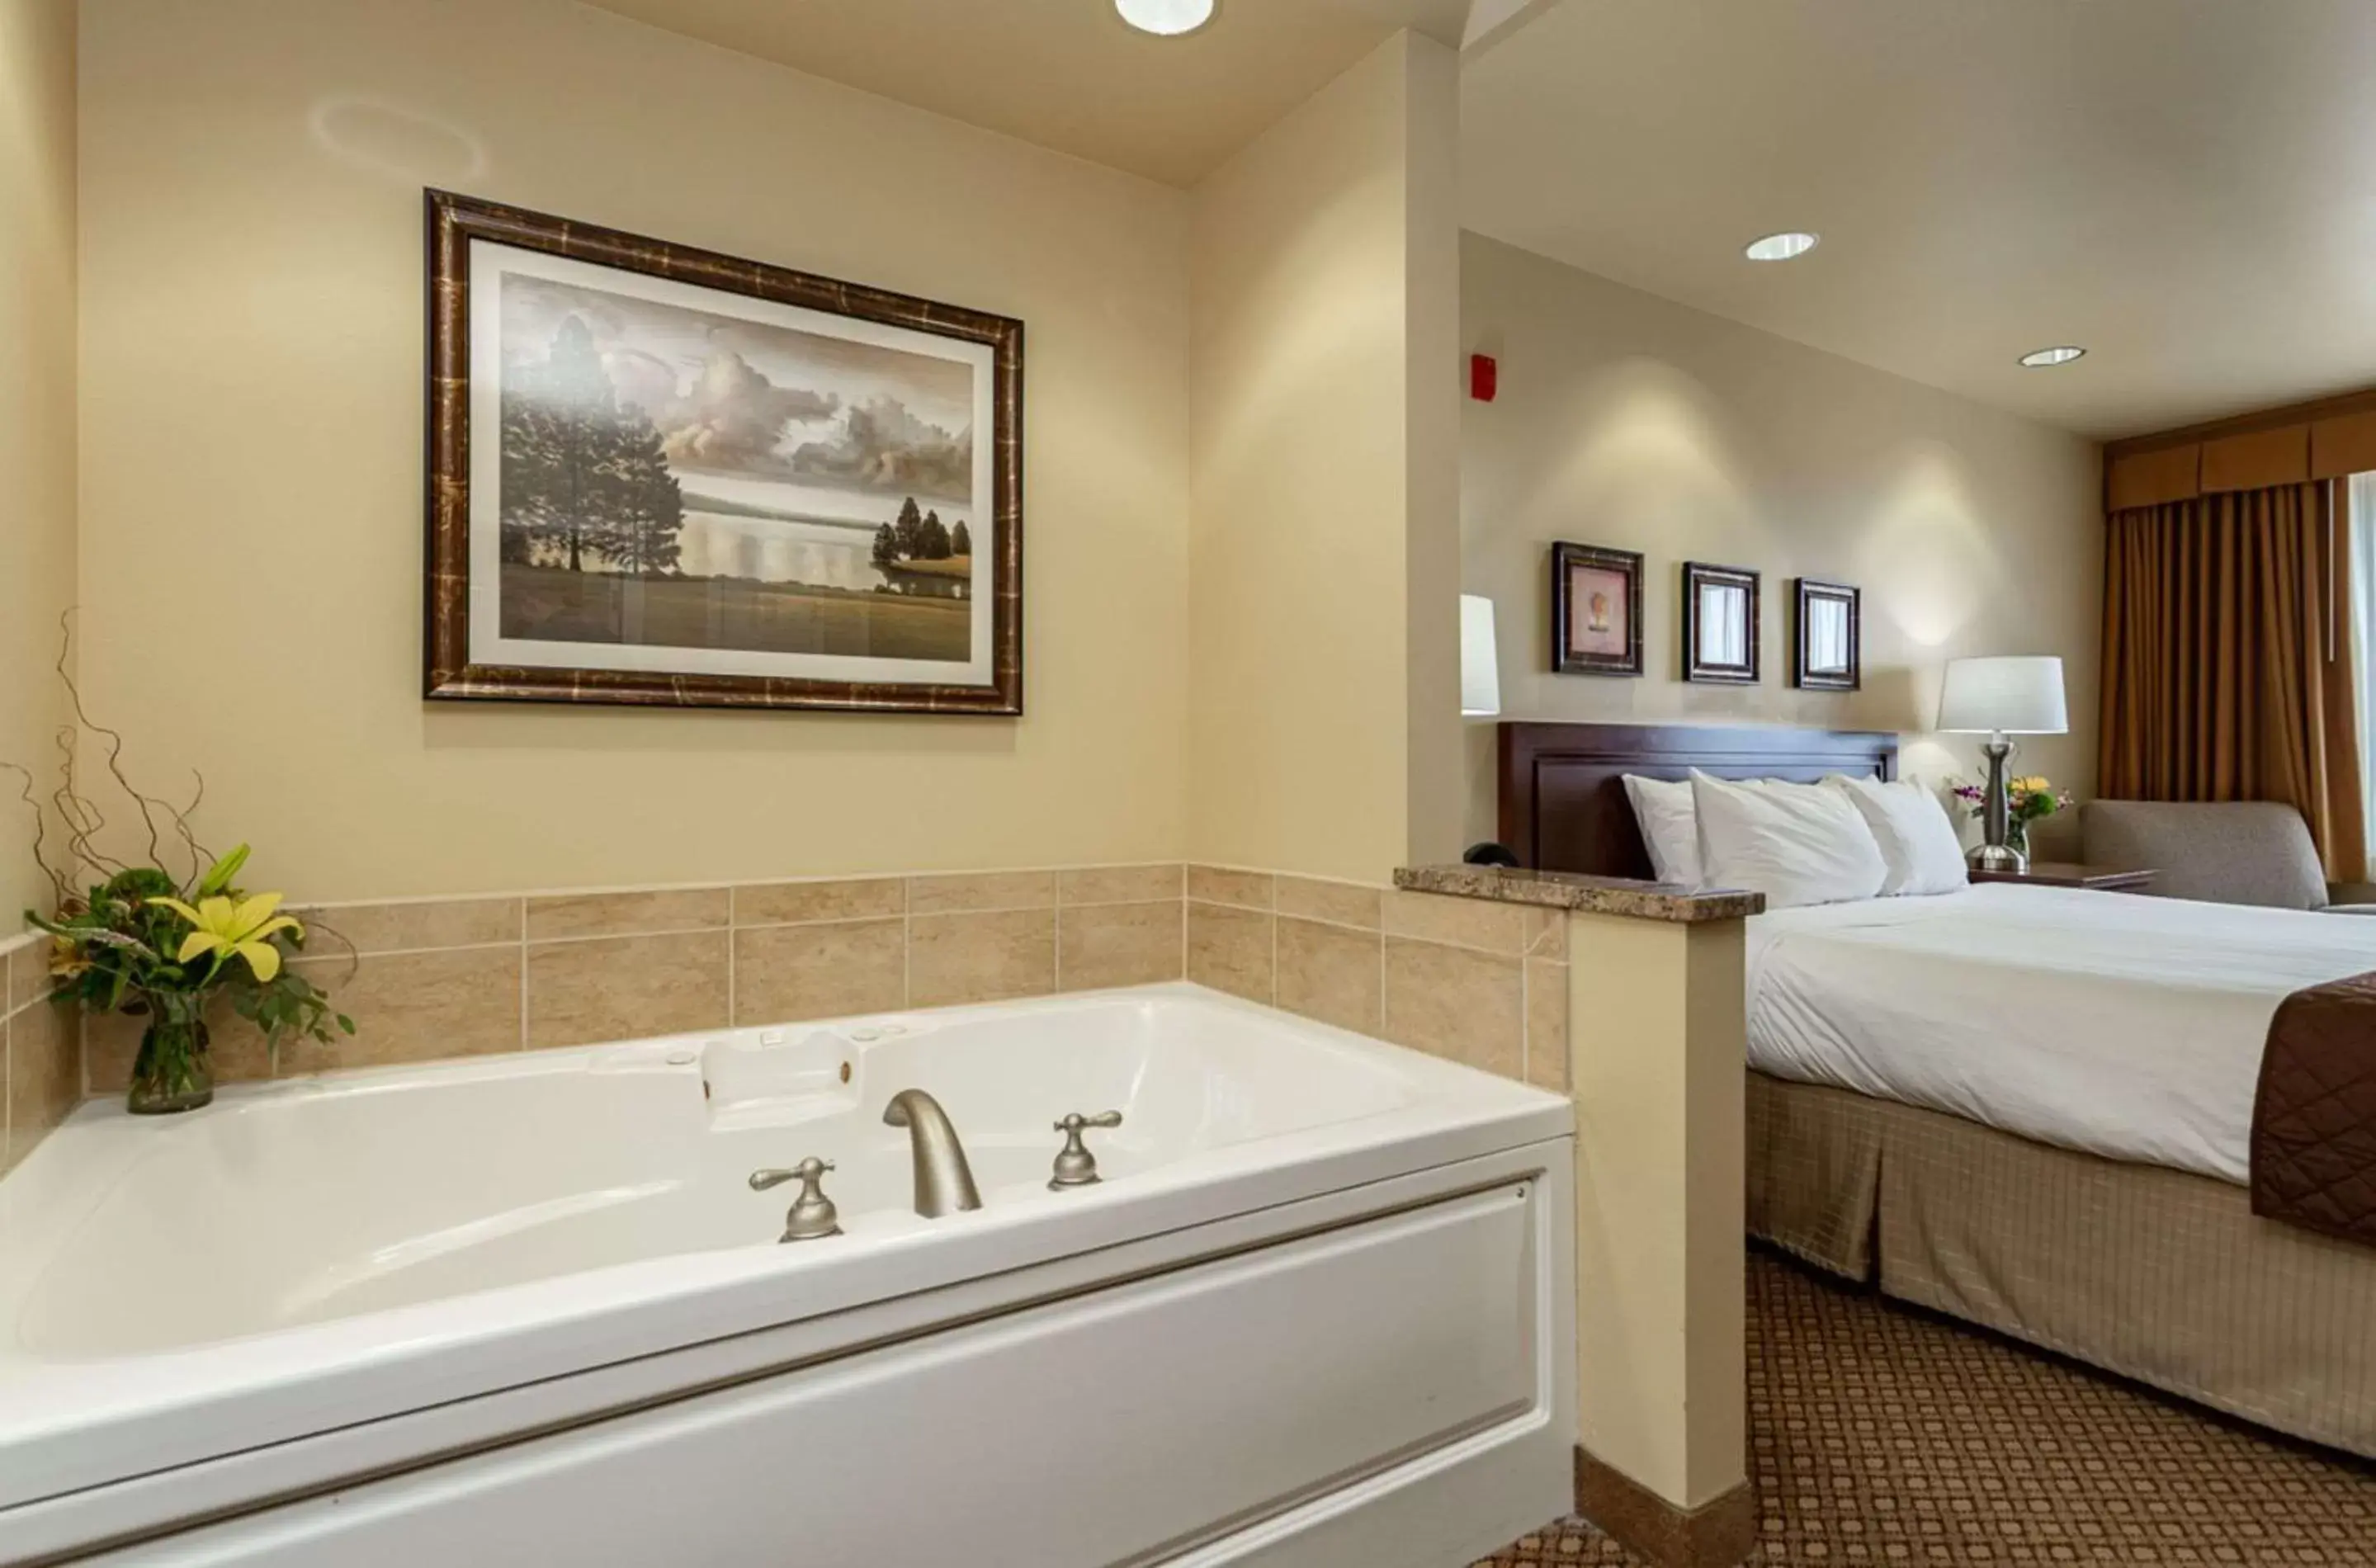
(1997, 858)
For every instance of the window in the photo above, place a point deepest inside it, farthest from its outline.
(2363, 514)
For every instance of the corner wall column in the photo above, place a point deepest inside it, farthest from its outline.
(1657, 1030)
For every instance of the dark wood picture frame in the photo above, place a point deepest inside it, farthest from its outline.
(1566, 659)
(452, 223)
(1722, 670)
(1806, 595)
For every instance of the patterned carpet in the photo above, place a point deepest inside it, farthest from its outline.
(1883, 1435)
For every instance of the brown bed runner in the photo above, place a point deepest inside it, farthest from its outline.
(2314, 1119)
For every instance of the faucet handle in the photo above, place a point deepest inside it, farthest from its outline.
(1076, 1166)
(811, 1216)
(808, 1170)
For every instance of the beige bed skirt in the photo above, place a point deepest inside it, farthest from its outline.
(2156, 1274)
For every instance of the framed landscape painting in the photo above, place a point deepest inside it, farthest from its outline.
(663, 476)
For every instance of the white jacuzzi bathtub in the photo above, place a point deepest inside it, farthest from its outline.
(1320, 1309)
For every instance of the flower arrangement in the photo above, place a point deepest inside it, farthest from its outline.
(2027, 799)
(140, 939)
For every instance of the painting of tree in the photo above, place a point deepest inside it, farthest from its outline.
(585, 480)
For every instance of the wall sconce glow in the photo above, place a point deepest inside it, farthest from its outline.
(1782, 247)
(1166, 18)
(2064, 353)
(1481, 666)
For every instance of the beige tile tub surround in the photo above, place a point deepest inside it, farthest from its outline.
(433, 979)
(627, 986)
(39, 1079)
(1449, 976)
(1106, 945)
(986, 955)
(627, 914)
(821, 970)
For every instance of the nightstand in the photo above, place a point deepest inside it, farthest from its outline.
(2071, 874)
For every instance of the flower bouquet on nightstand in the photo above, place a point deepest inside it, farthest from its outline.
(2027, 801)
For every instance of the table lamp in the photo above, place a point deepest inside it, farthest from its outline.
(1480, 673)
(1998, 697)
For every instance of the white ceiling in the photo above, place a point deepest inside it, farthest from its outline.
(2187, 187)
(1068, 74)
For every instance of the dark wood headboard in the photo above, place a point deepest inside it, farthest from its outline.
(1563, 805)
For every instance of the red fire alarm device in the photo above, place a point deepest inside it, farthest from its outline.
(1484, 376)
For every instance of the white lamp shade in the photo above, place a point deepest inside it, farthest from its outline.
(1480, 669)
(2012, 696)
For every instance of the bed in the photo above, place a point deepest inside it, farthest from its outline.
(2026, 1107)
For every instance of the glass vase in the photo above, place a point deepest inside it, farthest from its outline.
(2017, 837)
(172, 1072)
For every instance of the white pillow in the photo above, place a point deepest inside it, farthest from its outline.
(1662, 809)
(1795, 843)
(1917, 840)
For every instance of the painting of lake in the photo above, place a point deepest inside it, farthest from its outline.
(682, 478)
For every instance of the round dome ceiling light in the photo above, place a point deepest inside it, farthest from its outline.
(2062, 354)
(1782, 247)
(1166, 18)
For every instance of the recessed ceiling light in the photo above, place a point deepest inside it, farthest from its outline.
(1781, 247)
(1166, 18)
(2062, 354)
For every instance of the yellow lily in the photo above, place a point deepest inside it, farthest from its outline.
(227, 930)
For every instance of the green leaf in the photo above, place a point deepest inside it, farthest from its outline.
(218, 878)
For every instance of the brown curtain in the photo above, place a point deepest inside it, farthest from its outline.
(2229, 663)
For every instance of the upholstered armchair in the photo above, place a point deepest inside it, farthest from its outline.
(2240, 853)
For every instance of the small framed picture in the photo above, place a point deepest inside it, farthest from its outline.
(1720, 624)
(1827, 637)
(1596, 611)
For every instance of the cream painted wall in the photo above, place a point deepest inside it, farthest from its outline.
(1323, 296)
(1625, 420)
(251, 446)
(1434, 781)
(37, 410)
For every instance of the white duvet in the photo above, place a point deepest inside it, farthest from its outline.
(2121, 1026)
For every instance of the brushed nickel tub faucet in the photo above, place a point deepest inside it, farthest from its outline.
(1076, 1166)
(813, 1217)
(943, 1179)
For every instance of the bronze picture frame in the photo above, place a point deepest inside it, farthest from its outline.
(1596, 611)
(1826, 636)
(1722, 629)
(803, 602)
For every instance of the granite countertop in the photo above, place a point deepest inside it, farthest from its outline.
(1590, 895)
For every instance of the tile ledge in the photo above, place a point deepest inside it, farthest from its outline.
(1584, 895)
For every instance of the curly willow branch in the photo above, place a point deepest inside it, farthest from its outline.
(114, 738)
(80, 814)
(200, 856)
(30, 792)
